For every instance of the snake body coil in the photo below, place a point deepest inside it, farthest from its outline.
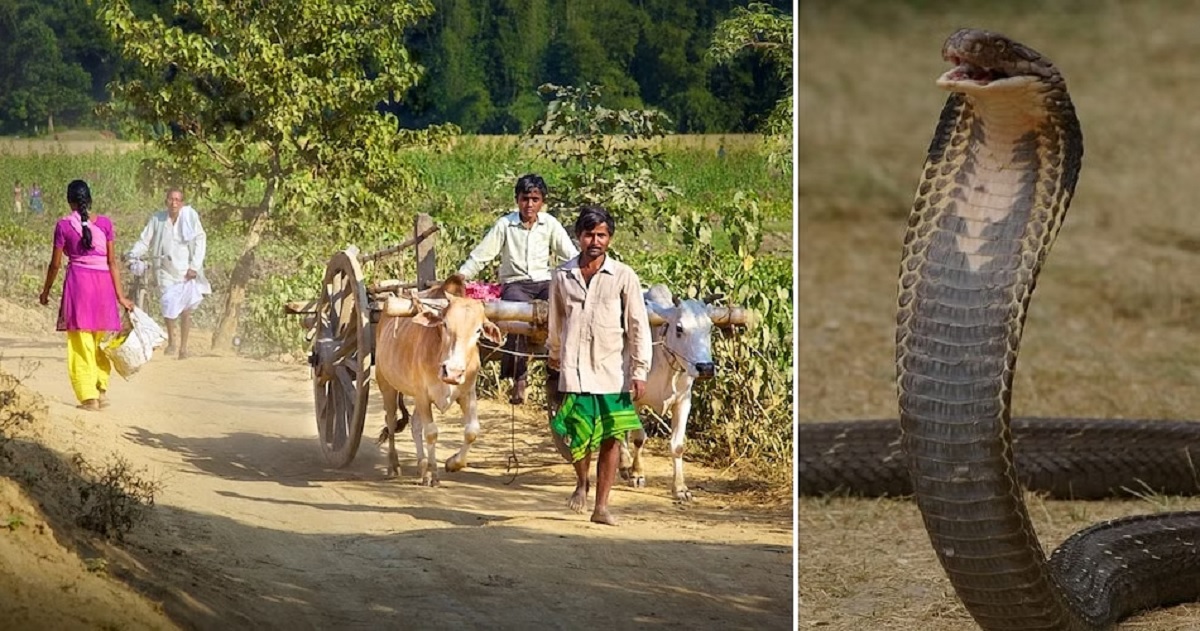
(998, 180)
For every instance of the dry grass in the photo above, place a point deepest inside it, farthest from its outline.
(1115, 326)
(732, 142)
(87, 141)
(75, 142)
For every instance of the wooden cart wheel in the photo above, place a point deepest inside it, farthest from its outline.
(341, 358)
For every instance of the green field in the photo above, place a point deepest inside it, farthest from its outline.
(464, 189)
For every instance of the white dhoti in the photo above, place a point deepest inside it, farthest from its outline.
(174, 247)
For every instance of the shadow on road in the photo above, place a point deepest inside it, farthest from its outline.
(474, 570)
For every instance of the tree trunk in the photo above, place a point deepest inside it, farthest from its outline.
(242, 272)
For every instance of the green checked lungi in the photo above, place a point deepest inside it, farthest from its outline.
(586, 420)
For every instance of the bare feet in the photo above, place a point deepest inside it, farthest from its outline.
(183, 354)
(602, 516)
(578, 500)
(91, 405)
(103, 400)
(170, 350)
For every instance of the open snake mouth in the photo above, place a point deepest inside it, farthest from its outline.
(966, 71)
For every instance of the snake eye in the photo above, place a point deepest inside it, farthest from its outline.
(678, 331)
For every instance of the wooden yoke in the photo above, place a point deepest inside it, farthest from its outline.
(537, 313)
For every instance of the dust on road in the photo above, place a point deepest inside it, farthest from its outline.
(251, 530)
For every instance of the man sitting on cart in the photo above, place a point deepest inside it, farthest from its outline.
(526, 240)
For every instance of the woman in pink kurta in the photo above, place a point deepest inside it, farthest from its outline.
(91, 293)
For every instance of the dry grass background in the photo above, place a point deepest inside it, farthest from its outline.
(1114, 330)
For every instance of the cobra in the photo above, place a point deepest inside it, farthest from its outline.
(998, 180)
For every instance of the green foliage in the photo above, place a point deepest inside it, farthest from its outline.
(486, 59)
(256, 114)
(646, 54)
(266, 329)
(608, 157)
(746, 412)
(25, 240)
(53, 57)
(44, 85)
(765, 31)
(461, 192)
(245, 97)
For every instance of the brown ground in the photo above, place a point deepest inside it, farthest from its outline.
(251, 531)
(1114, 328)
(1112, 332)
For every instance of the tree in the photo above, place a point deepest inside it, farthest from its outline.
(765, 31)
(269, 105)
(456, 79)
(40, 83)
(609, 157)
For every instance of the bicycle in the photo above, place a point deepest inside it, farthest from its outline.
(138, 286)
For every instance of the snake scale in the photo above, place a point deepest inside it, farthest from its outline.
(998, 179)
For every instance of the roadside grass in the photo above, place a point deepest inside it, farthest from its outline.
(108, 498)
(465, 189)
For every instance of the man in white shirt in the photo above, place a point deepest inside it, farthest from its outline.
(175, 243)
(526, 240)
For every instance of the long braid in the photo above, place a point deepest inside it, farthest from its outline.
(79, 195)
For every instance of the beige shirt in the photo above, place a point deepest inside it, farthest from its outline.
(525, 253)
(598, 333)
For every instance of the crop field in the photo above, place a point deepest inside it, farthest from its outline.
(464, 189)
(1114, 328)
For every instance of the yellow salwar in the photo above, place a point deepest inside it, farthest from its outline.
(87, 365)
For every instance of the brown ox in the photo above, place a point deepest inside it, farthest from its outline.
(433, 358)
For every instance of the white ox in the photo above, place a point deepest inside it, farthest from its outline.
(433, 358)
(682, 355)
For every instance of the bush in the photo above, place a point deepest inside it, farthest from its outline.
(746, 412)
(109, 499)
(113, 497)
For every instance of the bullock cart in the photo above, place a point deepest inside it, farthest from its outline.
(341, 326)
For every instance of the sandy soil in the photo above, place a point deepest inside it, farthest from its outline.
(1103, 340)
(250, 529)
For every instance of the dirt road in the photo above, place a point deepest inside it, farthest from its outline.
(252, 531)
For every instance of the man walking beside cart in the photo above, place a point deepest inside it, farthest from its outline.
(599, 341)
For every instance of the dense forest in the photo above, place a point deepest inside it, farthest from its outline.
(484, 60)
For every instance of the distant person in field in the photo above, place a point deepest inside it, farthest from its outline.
(599, 342)
(17, 193)
(530, 243)
(91, 294)
(175, 242)
(35, 199)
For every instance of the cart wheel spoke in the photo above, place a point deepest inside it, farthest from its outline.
(343, 318)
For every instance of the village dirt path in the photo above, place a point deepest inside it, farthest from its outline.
(250, 529)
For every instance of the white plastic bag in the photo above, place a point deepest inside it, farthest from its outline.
(131, 349)
(180, 297)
